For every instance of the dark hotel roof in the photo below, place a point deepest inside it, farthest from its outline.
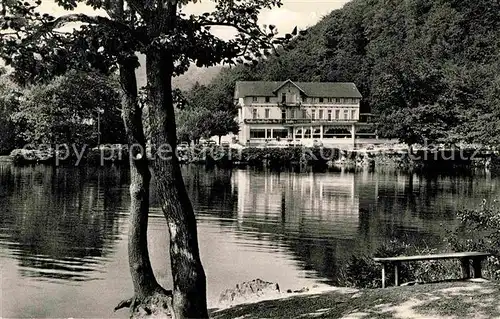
(311, 89)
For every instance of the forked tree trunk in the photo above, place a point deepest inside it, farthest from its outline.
(145, 284)
(144, 281)
(189, 282)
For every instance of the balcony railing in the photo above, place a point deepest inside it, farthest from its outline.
(296, 121)
(263, 121)
(290, 104)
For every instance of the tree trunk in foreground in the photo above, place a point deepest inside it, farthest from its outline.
(189, 290)
(140, 267)
(149, 296)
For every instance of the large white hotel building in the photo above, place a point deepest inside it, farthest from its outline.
(299, 113)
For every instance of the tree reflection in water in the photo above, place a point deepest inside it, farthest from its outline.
(325, 218)
(60, 222)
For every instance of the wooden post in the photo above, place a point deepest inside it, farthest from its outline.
(396, 274)
(383, 275)
(465, 268)
(476, 266)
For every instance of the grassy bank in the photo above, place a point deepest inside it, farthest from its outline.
(469, 299)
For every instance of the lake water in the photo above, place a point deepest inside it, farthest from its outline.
(63, 232)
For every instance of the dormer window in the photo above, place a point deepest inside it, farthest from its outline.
(304, 99)
(268, 99)
(283, 97)
(321, 100)
(255, 99)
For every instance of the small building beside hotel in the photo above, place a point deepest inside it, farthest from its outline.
(299, 113)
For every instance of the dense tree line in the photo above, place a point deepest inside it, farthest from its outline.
(9, 93)
(209, 111)
(429, 70)
(74, 108)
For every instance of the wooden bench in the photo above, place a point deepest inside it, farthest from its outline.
(476, 257)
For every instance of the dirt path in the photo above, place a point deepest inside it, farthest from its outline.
(471, 299)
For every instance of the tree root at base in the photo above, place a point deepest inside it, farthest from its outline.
(158, 305)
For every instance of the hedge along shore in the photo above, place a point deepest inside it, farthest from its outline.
(281, 158)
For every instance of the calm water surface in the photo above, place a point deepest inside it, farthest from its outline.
(63, 243)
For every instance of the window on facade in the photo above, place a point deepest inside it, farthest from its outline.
(258, 133)
(329, 115)
(298, 133)
(283, 97)
(304, 99)
(320, 114)
(254, 114)
(336, 132)
(337, 100)
(329, 133)
(337, 114)
(292, 114)
(330, 100)
(307, 133)
(353, 114)
(283, 114)
(255, 99)
(304, 114)
(346, 114)
(313, 114)
(268, 99)
(266, 112)
(321, 100)
(317, 133)
(280, 133)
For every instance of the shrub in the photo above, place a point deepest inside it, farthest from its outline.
(284, 157)
(479, 230)
(363, 272)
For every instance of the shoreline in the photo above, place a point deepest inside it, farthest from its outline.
(252, 299)
(457, 299)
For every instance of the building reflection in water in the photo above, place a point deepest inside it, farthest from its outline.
(324, 219)
(64, 223)
(314, 204)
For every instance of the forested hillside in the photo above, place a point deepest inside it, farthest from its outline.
(429, 69)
